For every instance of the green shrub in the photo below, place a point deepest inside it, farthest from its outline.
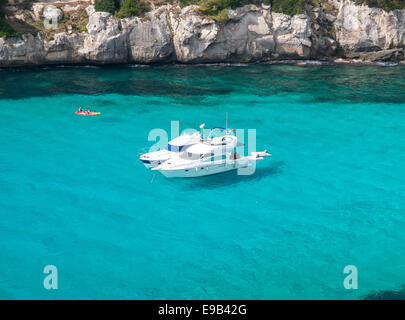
(222, 16)
(217, 9)
(185, 3)
(290, 7)
(387, 5)
(82, 28)
(106, 6)
(6, 30)
(131, 8)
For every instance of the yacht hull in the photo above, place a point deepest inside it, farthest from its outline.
(198, 172)
(151, 163)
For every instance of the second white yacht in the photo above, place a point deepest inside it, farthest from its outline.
(174, 147)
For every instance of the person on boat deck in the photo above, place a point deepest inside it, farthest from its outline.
(80, 109)
(234, 156)
(88, 110)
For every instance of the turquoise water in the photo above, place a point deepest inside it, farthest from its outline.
(74, 195)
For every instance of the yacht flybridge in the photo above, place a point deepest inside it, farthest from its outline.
(212, 155)
(174, 147)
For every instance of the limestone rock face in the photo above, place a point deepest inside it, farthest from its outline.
(27, 50)
(251, 33)
(98, 22)
(192, 34)
(292, 35)
(364, 29)
(246, 37)
(59, 49)
(149, 39)
(105, 42)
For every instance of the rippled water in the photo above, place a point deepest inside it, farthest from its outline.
(74, 195)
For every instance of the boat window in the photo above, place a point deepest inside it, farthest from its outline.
(190, 156)
(207, 157)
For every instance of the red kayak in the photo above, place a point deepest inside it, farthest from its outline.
(86, 113)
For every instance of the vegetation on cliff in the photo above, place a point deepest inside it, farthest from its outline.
(124, 9)
(133, 8)
(5, 29)
(387, 5)
(106, 5)
(290, 7)
(217, 9)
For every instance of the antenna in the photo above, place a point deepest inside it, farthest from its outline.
(226, 121)
(202, 131)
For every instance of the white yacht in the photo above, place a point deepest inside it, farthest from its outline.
(174, 147)
(210, 156)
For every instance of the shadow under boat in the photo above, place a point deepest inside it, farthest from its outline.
(398, 294)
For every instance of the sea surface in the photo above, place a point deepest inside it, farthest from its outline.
(73, 193)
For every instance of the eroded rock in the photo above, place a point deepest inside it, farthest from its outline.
(252, 33)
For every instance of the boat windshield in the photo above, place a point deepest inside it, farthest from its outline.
(219, 132)
(173, 148)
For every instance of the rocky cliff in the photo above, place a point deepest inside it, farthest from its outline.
(170, 34)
